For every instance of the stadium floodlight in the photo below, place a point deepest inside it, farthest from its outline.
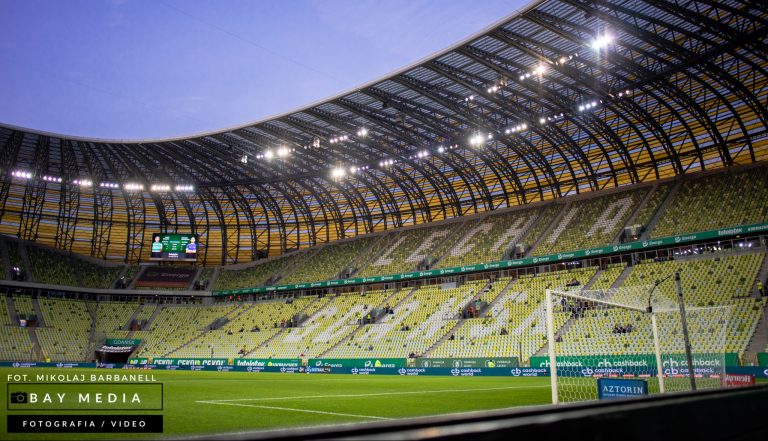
(83, 182)
(184, 188)
(160, 187)
(362, 133)
(132, 186)
(283, 151)
(440, 149)
(22, 174)
(542, 120)
(108, 185)
(49, 178)
(476, 140)
(338, 172)
(541, 69)
(244, 159)
(601, 41)
(269, 154)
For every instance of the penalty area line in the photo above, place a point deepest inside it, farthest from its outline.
(259, 406)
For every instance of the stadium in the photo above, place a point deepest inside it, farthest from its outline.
(567, 207)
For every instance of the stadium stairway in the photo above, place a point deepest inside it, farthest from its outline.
(638, 208)
(298, 259)
(214, 276)
(6, 263)
(368, 255)
(91, 308)
(282, 332)
(762, 274)
(499, 298)
(152, 317)
(186, 343)
(135, 314)
(563, 210)
(38, 312)
(594, 278)
(445, 337)
(238, 312)
(137, 276)
(14, 316)
(28, 270)
(622, 277)
(354, 332)
(198, 273)
(759, 340)
(35, 343)
(125, 269)
(662, 208)
(451, 240)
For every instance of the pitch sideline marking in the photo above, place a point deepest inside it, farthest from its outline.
(258, 406)
(373, 394)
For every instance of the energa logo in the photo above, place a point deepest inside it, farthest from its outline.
(457, 363)
(368, 363)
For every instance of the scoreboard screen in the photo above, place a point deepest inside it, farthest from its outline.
(171, 246)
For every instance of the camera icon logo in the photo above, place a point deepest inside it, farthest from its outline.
(19, 398)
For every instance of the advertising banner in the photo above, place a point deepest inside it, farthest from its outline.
(357, 362)
(613, 388)
(122, 342)
(468, 362)
(267, 362)
(190, 362)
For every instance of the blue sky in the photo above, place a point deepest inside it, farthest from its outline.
(131, 69)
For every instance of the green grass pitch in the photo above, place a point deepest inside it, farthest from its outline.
(197, 403)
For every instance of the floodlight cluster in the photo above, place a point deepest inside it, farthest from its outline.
(338, 139)
(588, 105)
(160, 187)
(22, 174)
(515, 129)
(133, 186)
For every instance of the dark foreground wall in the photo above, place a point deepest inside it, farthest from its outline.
(734, 414)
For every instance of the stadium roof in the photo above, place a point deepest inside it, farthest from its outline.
(564, 97)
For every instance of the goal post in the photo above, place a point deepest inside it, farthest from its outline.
(613, 334)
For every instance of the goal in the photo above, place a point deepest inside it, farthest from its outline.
(617, 333)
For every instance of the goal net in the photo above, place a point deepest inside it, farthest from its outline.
(611, 334)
